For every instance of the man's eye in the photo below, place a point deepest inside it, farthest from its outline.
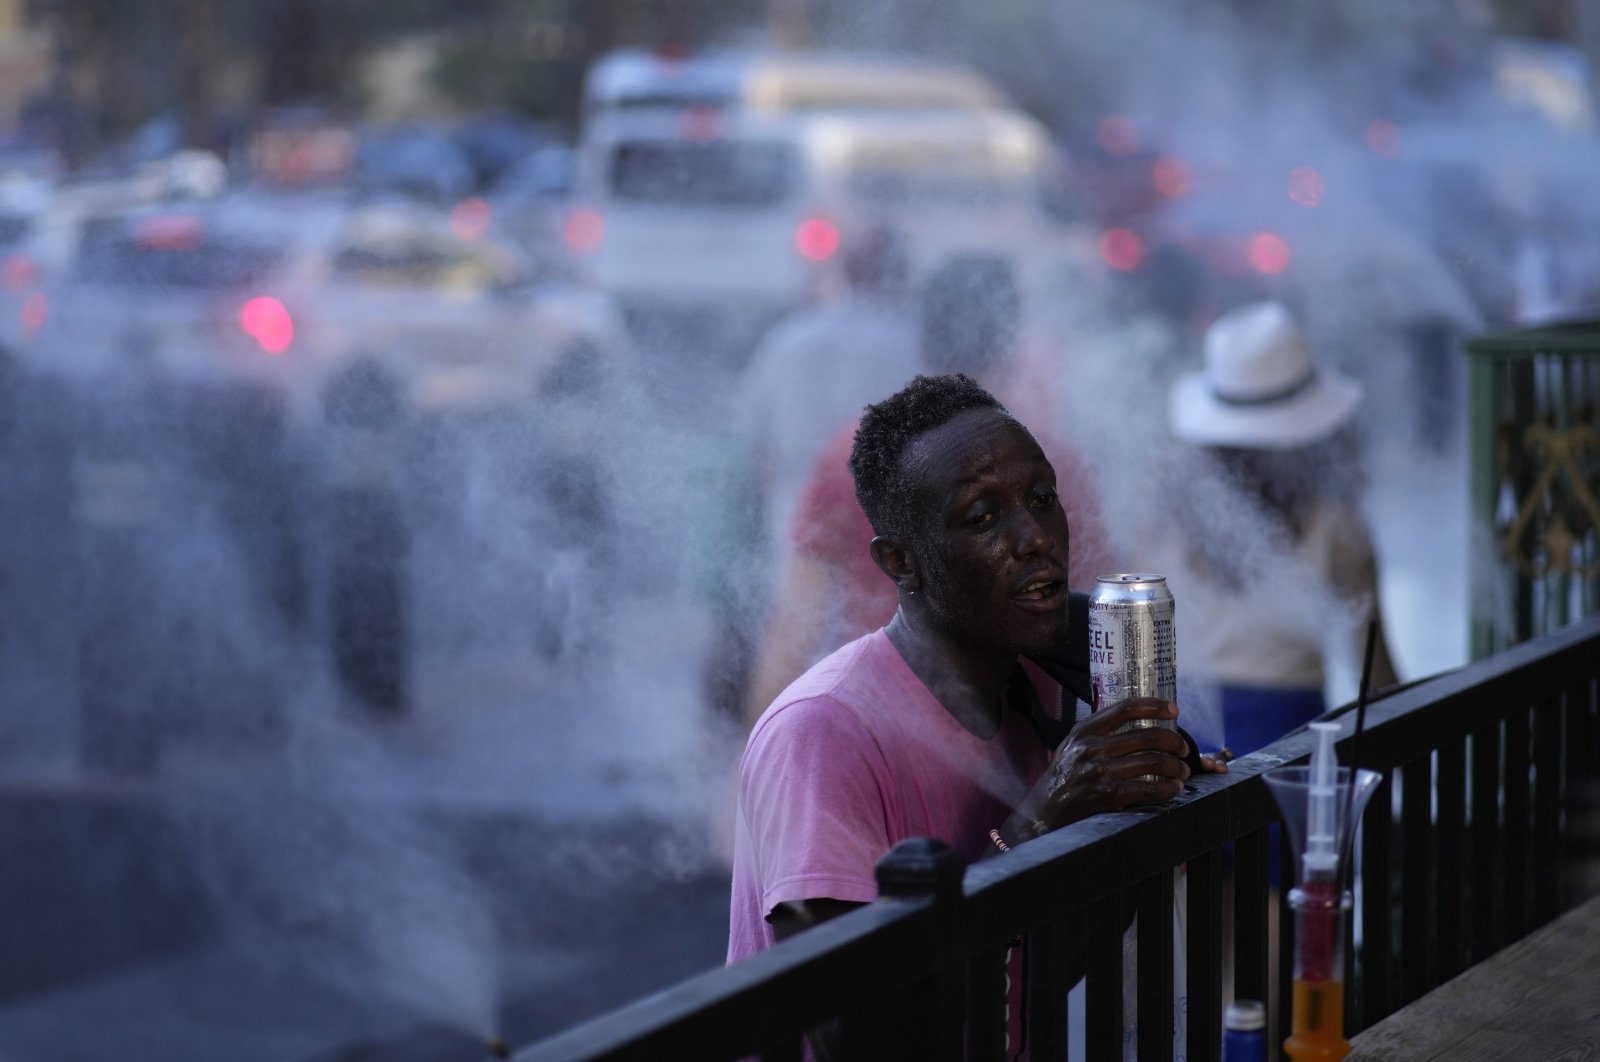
(1044, 498)
(979, 521)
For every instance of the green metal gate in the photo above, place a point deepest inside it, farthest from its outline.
(1535, 449)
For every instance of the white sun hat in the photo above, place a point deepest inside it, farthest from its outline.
(1259, 387)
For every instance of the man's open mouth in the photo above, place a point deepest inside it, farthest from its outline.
(1041, 593)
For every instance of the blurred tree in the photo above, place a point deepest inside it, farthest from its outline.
(790, 23)
(526, 56)
(118, 64)
(530, 56)
(698, 23)
(310, 48)
(200, 49)
(99, 70)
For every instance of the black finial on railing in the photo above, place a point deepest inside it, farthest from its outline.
(920, 866)
(922, 1020)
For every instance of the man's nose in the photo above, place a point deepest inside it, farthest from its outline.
(1031, 535)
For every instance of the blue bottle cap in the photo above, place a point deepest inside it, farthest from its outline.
(1245, 1014)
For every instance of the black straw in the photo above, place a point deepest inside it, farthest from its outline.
(1361, 719)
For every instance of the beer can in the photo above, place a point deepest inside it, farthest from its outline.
(1133, 649)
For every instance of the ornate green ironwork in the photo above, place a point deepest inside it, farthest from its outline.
(1535, 447)
(1560, 504)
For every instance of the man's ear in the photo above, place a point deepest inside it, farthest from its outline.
(895, 561)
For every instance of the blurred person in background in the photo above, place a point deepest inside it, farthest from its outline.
(968, 318)
(817, 368)
(1284, 581)
(368, 537)
(812, 373)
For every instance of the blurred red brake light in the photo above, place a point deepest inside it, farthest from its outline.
(1383, 137)
(1172, 176)
(584, 231)
(1268, 253)
(700, 123)
(817, 239)
(19, 273)
(1118, 136)
(169, 232)
(1306, 186)
(267, 321)
(35, 311)
(470, 218)
(1121, 249)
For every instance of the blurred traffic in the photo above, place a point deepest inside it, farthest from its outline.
(487, 260)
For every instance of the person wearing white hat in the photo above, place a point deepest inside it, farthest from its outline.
(1284, 579)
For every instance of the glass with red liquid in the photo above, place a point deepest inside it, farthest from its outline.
(1320, 824)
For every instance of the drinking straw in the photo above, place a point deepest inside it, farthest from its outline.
(1361, 717)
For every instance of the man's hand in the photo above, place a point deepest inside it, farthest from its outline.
(1097, 769)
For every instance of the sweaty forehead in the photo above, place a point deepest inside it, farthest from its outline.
(974, 445)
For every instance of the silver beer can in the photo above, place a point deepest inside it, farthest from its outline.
(1133, 649)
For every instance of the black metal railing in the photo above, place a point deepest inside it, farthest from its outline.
(1483, 829)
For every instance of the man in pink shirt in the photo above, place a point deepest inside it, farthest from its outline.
(934, 726)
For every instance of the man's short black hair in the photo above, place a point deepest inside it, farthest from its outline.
(887, 429)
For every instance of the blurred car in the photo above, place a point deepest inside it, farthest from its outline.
(1206, 243)
(496, 141)
(414, 160)
(531, 199)
(714, 192)
(283, 291)
(291, 147)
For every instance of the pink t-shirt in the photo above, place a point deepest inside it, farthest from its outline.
(854, 757)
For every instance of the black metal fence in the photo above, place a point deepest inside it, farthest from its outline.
(1484, 827)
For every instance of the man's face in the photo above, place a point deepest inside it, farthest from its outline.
(991, 538)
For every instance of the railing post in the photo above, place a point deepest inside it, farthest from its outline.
(1154, 897)
(1482, 374)
(1486, 934)
(1580, 835)
(1203, 975)
(1377, 937)
(1547, 809)
(1450, 932)
(1102, 987)
(1418, 896)
(924, 1020)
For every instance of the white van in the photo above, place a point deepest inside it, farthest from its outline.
(725, 185)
